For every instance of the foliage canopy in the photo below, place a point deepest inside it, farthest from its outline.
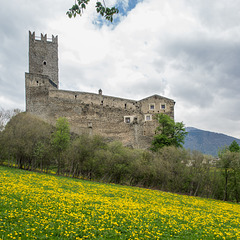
(61, 137)
(229, 163)
(102, 9)
(168, 133)
(234, 147)
(29, 143)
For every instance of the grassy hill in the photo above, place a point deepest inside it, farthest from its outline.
(40, 206)
(207, 142)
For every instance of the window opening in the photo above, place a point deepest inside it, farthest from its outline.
(163, 106)
(148, 117)
(152, 106)
(135, 120)
(127, 120)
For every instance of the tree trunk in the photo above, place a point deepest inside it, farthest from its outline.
(196, 191)
(226, 188)
(236, 188)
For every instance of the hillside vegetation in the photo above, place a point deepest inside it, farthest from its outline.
(41, 206)
(31, 144)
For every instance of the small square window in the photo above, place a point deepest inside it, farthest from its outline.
(127, 120)
(148, 117)
(135, 120)
(151, 106)
(163, 106)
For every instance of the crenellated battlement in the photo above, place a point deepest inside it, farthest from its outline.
(43, 56)
(43, 38)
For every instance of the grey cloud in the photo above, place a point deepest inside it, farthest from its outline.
(144, 87)
(216, 15)
(216, 61)
(193, 94)
(195, 64)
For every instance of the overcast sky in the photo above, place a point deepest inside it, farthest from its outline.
(186, 50)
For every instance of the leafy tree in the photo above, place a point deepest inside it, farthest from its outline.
(102, 9)
(225, 163)
(234, 147)
(234, 170)
(173, 163)
(2, 149)
(81, 156)
(117, 166)
(21, 137)
(230, 164)
(42, 155)
(142, 169)
(61, 140)
(236, 175)
(198, 172)
(168, 133)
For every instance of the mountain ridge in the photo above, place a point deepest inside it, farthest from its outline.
(207, 142)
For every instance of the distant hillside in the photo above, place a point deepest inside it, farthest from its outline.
(206, 142)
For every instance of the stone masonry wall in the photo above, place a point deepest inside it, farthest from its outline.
(99, 114)
(129, 121)
(43, 56)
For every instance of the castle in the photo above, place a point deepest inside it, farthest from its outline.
(129, 121)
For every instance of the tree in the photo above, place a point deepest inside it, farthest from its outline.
(230, 164)
(102, 9)
(168, 133)
(199, 173)
(61, 140)
(233, 171)
(20, 138)
(80, 156)
(234, 147)
(6, 115)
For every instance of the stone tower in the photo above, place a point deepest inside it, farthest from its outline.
(43, 71)
(43, 56)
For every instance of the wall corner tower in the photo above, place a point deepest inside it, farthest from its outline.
(43, 56)
(43, 71)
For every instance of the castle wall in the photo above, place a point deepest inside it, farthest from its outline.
(129, 121)
(87, 114)
(98, 99)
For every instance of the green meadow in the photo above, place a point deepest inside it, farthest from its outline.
(41, 206)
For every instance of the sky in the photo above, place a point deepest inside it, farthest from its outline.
(185, 50)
